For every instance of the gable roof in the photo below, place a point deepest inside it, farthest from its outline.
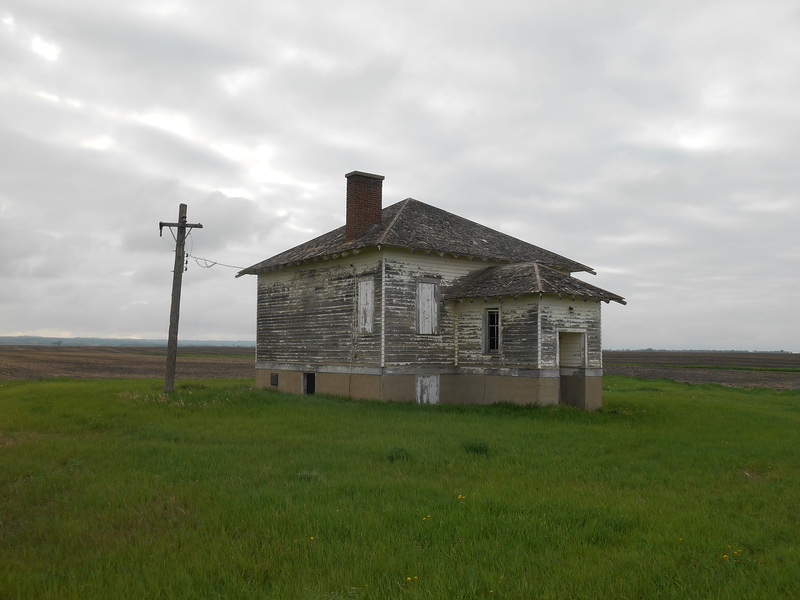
(414, 225)
(525, 278)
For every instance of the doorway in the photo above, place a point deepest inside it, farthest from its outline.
(572, 367)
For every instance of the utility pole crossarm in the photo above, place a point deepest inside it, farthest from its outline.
(162, 224)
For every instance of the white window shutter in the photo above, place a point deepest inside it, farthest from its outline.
(428, 308)
(366, 305)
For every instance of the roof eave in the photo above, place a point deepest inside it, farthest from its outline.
(517, 295)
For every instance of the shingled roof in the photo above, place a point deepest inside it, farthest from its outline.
(522, 279)
(414, 225)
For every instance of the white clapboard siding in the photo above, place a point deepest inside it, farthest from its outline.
(405, 344)
(570, 315)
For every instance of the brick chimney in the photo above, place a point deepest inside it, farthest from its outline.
(364, 202)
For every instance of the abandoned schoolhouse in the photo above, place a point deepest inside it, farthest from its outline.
(411, 302)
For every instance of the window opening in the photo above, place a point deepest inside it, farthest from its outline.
(493, 330)
(309, 383)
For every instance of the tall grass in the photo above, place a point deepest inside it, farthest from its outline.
(112, 489)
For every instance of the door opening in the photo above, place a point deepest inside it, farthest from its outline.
(572, 367)
(309, 383)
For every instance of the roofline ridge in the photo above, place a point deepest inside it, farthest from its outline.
(582, 267)
(397, 216)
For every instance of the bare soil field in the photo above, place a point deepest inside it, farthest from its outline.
(200, 362)
(776, 370)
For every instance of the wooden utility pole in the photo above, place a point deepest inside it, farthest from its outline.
(177, 278)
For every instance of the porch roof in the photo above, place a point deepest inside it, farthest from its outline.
(521, 279)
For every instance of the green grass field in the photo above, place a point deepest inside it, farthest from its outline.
(109, 489)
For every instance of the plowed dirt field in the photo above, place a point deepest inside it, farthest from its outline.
(777, 370)
(39, 362)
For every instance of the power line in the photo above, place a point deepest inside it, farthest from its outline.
(207, 263)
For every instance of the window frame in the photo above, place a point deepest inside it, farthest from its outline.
(492, 340)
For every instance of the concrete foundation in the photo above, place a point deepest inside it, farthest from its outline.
(581, 390)
(566, 386)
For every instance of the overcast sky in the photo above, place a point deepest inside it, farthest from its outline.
(658, 142)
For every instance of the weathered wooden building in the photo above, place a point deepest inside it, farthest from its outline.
(411, 302)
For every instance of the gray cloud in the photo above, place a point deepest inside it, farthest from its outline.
(656, 142)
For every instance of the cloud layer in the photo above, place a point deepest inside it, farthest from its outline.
(657, 142)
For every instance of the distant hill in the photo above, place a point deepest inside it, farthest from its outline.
(32, 340)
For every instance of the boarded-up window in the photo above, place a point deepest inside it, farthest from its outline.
(427, 307)
(366, 305)
(427, 389)
(571, 349)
